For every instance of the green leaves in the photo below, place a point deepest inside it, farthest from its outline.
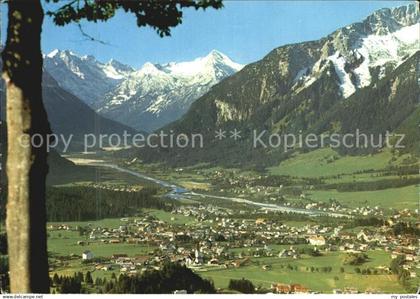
(160, 15)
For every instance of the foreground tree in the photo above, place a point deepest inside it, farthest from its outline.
(26, 165)
(27, 119)
(242, 285)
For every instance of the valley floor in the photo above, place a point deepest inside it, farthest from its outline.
(229, 215)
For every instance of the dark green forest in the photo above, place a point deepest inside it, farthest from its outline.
(170, 278)
(87, 203)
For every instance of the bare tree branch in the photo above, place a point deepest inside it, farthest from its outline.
(90, 37)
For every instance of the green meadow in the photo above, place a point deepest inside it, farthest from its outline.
(64, 243)
(326, 162)
(316, 281)
(398, 198)
(336, 169)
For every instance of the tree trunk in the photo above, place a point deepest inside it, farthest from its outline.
(26, 165)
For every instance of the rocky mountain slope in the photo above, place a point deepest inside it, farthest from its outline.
(297, 87)
(69, 115)
(85, 77)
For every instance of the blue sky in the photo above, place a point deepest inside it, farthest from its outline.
(244, 30)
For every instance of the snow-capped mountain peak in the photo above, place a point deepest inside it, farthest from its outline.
(387, 20)
(218, 57)
(119, 66)
(351, 58)
(150, 69)
(160, 93)
(53, 53)
(214, 64)
(84, 76)
(366, 49)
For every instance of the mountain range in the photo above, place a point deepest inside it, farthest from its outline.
(68, 115)
(84, 76)
(145, 99)
(360, 76)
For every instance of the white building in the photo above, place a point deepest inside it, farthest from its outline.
(180, 292)
(317, 240)
(198, 257)
(87, 255)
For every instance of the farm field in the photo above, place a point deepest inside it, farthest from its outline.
(334, 169)
(317, 281)
(84, 175)
(394, 198)
(326, 162)
(64, 243)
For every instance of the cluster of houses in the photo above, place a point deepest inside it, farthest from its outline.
(113, 187)
(247, 186)
(203, 212)
(294, 288)
(219, 239)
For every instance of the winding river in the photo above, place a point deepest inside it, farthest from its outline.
(178, 192)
